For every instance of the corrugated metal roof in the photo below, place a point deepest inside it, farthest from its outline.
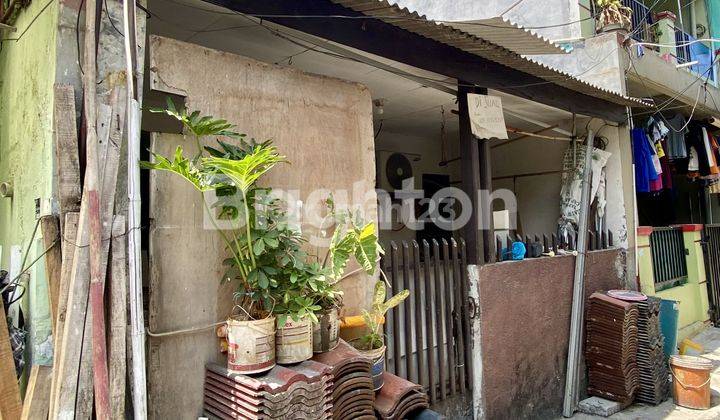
(505, 33)
(413, 22)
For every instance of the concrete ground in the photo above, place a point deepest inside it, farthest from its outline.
(710, 340)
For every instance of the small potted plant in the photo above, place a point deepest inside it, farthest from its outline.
(352, 238)
(613, 16)
(372, 343)
(232, 172)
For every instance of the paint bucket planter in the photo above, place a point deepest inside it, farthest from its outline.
(378, 365)
(251, 345)
(293, 342)
(325, 331)
(691, 381)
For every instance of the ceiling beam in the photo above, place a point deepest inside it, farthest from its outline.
(394, 43)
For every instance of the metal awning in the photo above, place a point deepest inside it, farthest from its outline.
(501, 52)
(510, 35)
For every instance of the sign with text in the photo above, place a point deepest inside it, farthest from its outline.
(486, 116)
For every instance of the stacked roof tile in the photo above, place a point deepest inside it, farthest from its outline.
(654, 383)
(399, 397)
(611, 351)
(302, 391)
(352, 395)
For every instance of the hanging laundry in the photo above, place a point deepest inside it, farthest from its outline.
(643, 155)
(676, 137)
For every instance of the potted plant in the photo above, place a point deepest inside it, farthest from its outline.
(232, 173)
(613, 16)
(352, 237)
(372, 343)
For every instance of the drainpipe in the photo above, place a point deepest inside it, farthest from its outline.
(578, 300)
(137, 324)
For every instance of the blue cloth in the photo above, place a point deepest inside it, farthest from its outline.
(703, 55)
(642, 154)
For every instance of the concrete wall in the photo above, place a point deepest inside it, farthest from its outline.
(323, 126)
(525, 315)
(27, 74)
(527, 13)
(691, 296)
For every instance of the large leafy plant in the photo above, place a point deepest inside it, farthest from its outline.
(233, 171)
(373, 338)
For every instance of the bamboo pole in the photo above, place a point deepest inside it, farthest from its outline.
(137, 325)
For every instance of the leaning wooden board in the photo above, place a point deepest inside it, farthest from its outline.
(10, 404)
(37, 394)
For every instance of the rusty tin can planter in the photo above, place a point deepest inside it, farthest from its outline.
(251, 345)
(293, 342)
(378, 365)
(326, 330)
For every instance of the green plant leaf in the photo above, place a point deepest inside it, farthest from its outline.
(379, 296)
(366, 250)
(395, 300)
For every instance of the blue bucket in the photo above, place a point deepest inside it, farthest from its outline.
(669, 314)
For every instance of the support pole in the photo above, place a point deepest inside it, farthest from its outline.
(578, 302)
(137, 324)
(470, 170)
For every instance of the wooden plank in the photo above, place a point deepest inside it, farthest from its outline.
(110, 123)
(67, 163)
(37, 394)
(68, 253)
(10, 403)
(118, 319)
(50, 229)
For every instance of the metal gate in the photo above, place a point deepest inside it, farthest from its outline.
(711, 248)
(428, 336)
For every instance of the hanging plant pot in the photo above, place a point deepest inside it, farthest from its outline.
(378, 365)
(293, 342)
(251, 345)
(325, 331)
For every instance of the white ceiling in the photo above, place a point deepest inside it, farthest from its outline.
(410, 108)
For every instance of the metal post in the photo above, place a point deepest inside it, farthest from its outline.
(576, 319)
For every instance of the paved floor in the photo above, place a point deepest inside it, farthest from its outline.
(710, 340)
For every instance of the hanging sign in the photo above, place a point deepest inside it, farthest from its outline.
(486, 116)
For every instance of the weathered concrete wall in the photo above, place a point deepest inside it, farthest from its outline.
(527, 13)
(323, 126)
(525, 311)
(27, 73)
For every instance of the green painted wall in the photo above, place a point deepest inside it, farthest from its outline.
(27, 75)
(692, 296)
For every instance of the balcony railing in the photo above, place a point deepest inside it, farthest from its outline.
(699, 51)
(642, 20)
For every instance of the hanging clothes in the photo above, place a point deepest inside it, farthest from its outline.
(676, 137)
(644, 166)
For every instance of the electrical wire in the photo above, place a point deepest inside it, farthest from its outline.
(29, 25)
(107, 13)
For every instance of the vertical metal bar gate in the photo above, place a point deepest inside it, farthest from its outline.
(711, 249)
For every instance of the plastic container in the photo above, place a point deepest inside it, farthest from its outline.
(293, 342)
(669, 314)
(325, 331)
(691, 381)
(251, 345)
